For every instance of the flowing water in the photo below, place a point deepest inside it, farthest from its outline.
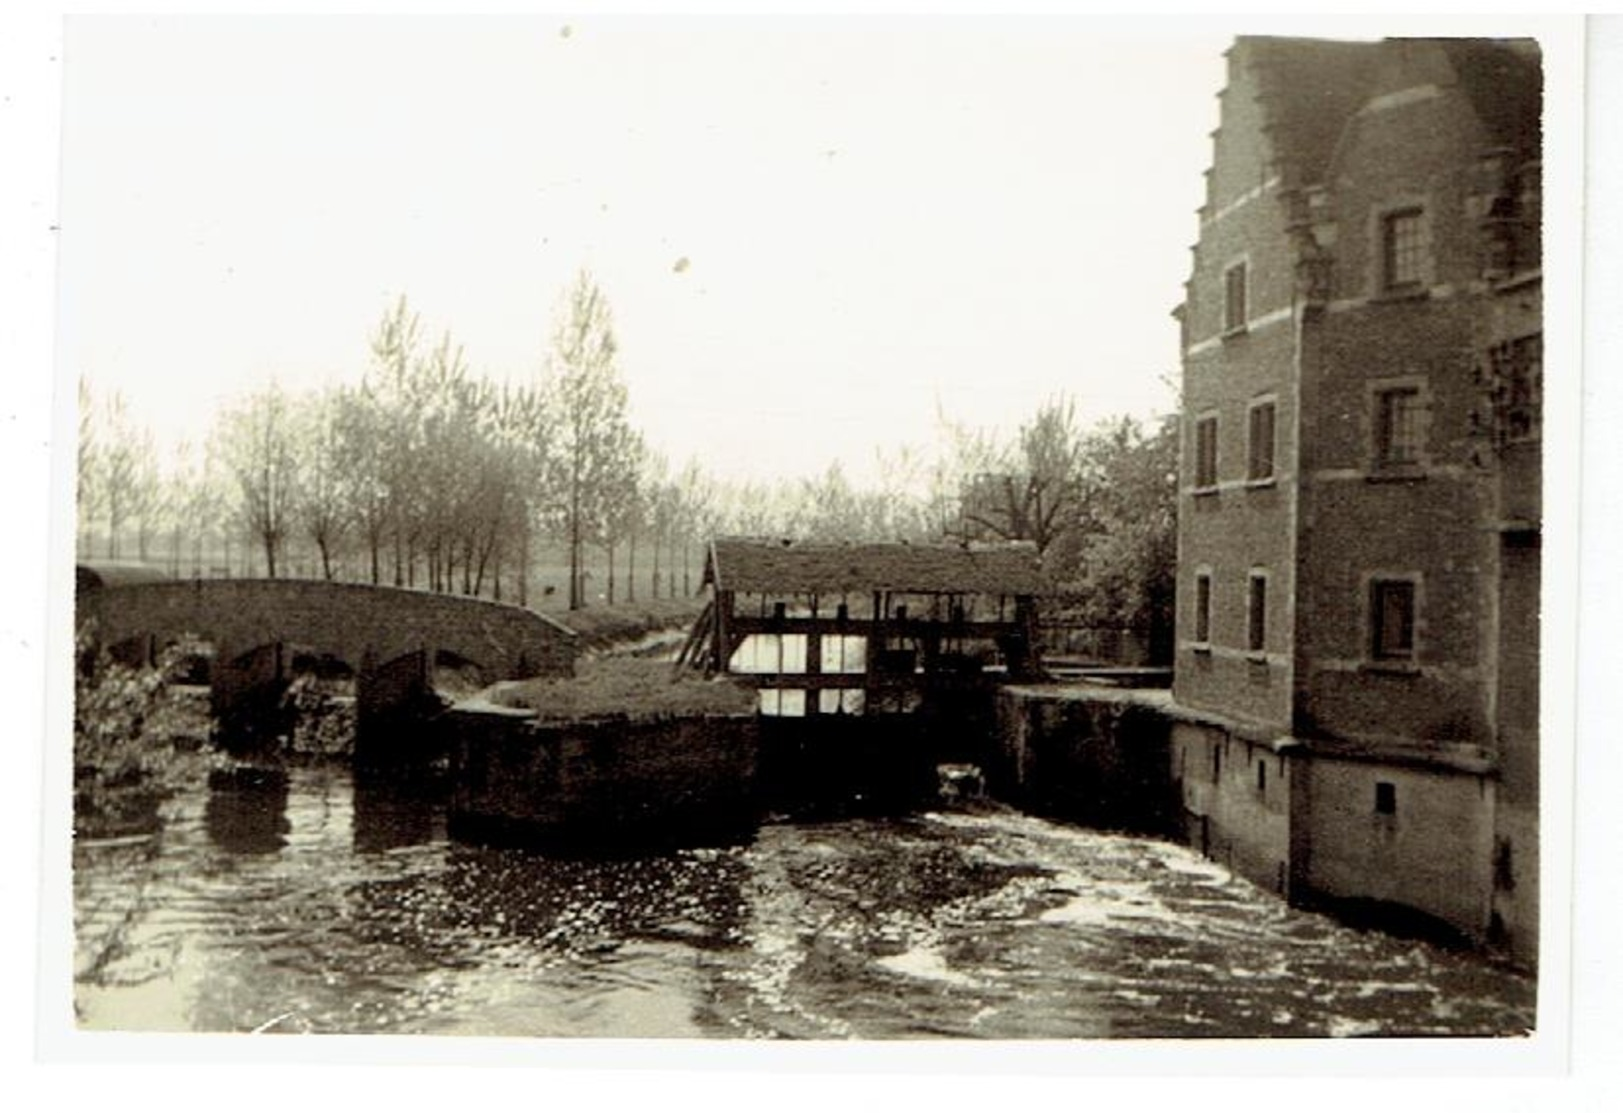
(312, 903)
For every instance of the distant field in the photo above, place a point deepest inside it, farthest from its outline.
(548, 586)
(603, 626)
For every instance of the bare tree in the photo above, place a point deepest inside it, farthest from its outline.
(257, 444)
(590, 458)
(90, 493)
(618, 498)
(1030, 491)
(121, 467)
(322, 502)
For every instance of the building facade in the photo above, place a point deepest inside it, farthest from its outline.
(1359, 488)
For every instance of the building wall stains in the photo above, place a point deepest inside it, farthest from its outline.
(1360, 513)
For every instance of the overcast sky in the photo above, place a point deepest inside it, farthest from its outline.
(878, 218)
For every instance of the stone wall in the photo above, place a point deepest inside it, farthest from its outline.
(357, 623)
(1092, 756)
(600, 782)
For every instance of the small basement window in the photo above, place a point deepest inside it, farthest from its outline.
(1386, 798)
(1203, 607)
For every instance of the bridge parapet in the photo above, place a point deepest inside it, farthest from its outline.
(355, 623)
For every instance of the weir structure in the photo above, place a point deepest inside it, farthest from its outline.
(390, 639)
(872, 663)
(839, 628)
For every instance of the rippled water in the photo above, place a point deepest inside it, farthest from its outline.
(319, 905)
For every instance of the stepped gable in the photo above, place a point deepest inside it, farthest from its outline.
(1309, 88)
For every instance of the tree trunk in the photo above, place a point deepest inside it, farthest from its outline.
(631, 567)
(574, 546)
(610, 547)
(654, 580)
(524, 564)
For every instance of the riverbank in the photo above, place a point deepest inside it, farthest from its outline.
(621, 627)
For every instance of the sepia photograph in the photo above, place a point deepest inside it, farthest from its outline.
(913, 530)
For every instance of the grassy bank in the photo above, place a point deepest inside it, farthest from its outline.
(608, 627)
(624, 687)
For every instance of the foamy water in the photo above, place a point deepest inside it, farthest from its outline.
(328, 907)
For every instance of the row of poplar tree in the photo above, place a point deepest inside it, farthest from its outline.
(429, 475)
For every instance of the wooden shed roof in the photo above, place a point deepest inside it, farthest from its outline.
(788, 567)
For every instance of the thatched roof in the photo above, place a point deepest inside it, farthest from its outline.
(830, 568)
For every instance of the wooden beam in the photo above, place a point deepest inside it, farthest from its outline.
(882, 628)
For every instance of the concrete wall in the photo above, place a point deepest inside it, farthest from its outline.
(601, 781)
(1098, 759)
(1514, 923)
(349, 621)
(1432, 854)
(1235, 802)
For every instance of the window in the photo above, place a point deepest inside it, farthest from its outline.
(1206, 452)
(1257, 613)
(1386, 798)
(1203, 607)
(1260, 442)
(1397, 426)
(1234, 298)
(787, 702)
(1403, 249)
(1262, 776)
(1392, 614)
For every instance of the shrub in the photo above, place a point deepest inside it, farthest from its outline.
(130, 726)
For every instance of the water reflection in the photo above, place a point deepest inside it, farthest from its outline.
(299, 902)
(247, 810)
(391, 813)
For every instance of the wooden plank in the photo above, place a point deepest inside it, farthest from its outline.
(871, 682)
(882, 628)
(695, 637)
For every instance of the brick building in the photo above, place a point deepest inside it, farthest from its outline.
(1359, 493)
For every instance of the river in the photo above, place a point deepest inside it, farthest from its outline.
(310, 903)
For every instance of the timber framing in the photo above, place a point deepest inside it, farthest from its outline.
(916, 618)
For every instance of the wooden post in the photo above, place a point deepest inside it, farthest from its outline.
(814, 664)
(723, 645)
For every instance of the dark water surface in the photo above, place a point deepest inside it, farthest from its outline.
(313, 904)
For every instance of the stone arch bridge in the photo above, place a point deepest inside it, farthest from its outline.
(390, 637)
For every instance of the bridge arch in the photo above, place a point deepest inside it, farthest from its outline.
(358, 624)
